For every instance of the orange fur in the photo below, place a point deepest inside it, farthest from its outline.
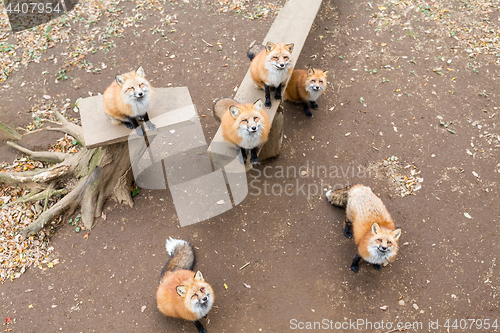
(237, 118)
(119, 99)
(299, 86)
(263, 70)
(364, 209)
(171, 304)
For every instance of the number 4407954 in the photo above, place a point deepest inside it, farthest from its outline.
(33, 8)
(467, 324)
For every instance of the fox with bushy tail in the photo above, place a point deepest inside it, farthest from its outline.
(182, 292)
(371, 224)
(271, 66)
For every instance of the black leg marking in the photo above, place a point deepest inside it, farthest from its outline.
(278, 93)
(128, 124)
(377, 267)
(306, 109)
(314, 105)
(199, 326)
(148, 122)
(254, 159)
(267, 91)
(355, 263)
(347, 229)
(135, 124)
(243, 159)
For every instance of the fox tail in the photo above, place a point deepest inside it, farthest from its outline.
(181, 256)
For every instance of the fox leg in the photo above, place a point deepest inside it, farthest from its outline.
(278, 93)
(199, 326)
(306, 109)
(377, 266)
(267, 90)
(148, 122)
(254, 159)
(132, 123)
(243, 158)
(355, 263)
(347, 228)
(314, 105)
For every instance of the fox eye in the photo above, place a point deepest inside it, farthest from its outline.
(194, 295)
(313, 81)
(142, 85)
(285, 57)
(244, 121)
(202, 290)
(130, 89)
(275, 58)
(379, 240)
(389, 243)
(321, 81)
(255, 118)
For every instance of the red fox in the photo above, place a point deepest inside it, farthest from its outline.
(183, 293)
(246, 125)
(129, 98)
(271, 66)
(304, 86)
(371, 224)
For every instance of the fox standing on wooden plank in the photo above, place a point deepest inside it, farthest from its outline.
(306, 86)
(371, 224)
(246, 125)
(129, 98)
(183, 293)
(271, 66)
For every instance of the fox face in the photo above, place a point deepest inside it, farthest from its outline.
(135, 90)
(198, 296)
(279, 56)
(316, 82)
(383, 244)
(249, 123)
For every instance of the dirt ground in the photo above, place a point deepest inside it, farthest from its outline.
(393, 80)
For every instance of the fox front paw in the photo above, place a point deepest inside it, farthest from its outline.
(254, 160)
(314, 105)
(355, 269)
(139, 131)
(128, 124)
(347, 233)
(377, 267)
(268, 103)
(150, 125)
(308, 113)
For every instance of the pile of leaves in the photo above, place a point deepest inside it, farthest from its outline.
(16, 252)
(403, 178)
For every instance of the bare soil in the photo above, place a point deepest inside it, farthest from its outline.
(447, 268)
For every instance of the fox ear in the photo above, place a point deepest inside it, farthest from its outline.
(140, 72)
(120, 79)
(258, 105)
(198, 277)
(270, 46)
(181, 290)
(396, 234)
(325, 73)
(234, 111)
(375, 228)
(289, 47)
(310, 71)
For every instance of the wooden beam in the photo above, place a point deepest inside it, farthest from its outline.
(172, 108)
(292, 25)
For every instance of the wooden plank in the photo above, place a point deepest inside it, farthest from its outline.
(9, 132)
(172, 108)
(292, 25)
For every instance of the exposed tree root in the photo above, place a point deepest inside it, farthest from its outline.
(101, 173)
